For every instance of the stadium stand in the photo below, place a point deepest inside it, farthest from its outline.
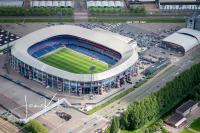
(96, 51)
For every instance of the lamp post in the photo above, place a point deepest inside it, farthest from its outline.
(92, 69)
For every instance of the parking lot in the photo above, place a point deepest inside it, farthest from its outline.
(12, 97)
(84, 123)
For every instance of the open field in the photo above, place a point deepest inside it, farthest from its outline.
(75, 62)
(186, 131)
(34, 20)
(147, 20)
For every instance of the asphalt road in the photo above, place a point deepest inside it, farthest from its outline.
(153, 85)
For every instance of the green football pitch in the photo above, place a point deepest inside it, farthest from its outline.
(72, 61)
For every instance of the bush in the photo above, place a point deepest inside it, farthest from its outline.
(155, 127)
(35, 126)
(137, 9)
(35, 11)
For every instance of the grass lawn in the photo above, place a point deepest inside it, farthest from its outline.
(148, 20)
(34, 20)
(72, 61)
(196, 125)
(186, 131)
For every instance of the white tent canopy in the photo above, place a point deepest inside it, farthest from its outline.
(186, 38)
(51, 3)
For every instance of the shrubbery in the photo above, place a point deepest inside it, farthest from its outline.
(156, 127)
(137, 9)
(34, 126)
(36, 11)
(117, 10)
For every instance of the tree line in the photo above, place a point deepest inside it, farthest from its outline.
(152, 107)
(133, 10)
(36, 11)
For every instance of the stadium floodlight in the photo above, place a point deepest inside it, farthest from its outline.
(92, 69)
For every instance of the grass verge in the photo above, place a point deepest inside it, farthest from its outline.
(147, 20)
(122, 94)
(186, 131)
(196, 125)
(19, 20)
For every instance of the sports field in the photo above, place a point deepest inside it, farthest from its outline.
(72, 61)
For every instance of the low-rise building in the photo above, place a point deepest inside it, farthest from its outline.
(179, 5)
(176, 120)
(156, 67)
(186, 108)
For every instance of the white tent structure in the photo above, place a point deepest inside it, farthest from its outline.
(51, 3)
(185, 39)
(105, 3)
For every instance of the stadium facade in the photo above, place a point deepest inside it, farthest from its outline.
(118, 51)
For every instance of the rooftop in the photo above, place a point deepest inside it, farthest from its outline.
(187, 105)
(174, 119)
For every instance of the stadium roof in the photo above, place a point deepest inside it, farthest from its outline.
(128, 52)
(187, 38)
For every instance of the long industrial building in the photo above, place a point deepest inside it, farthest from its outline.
(175, 5)
(118, 50)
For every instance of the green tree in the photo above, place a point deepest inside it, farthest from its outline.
(114, 125)
(35, 126)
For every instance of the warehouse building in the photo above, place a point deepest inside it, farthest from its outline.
(176, 120)
(182, 40)
(175, 5)
(179, 118)
(186, 108)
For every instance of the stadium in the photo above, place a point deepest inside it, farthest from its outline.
(75, 59)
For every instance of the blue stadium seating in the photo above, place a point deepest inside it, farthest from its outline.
(51, 44)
